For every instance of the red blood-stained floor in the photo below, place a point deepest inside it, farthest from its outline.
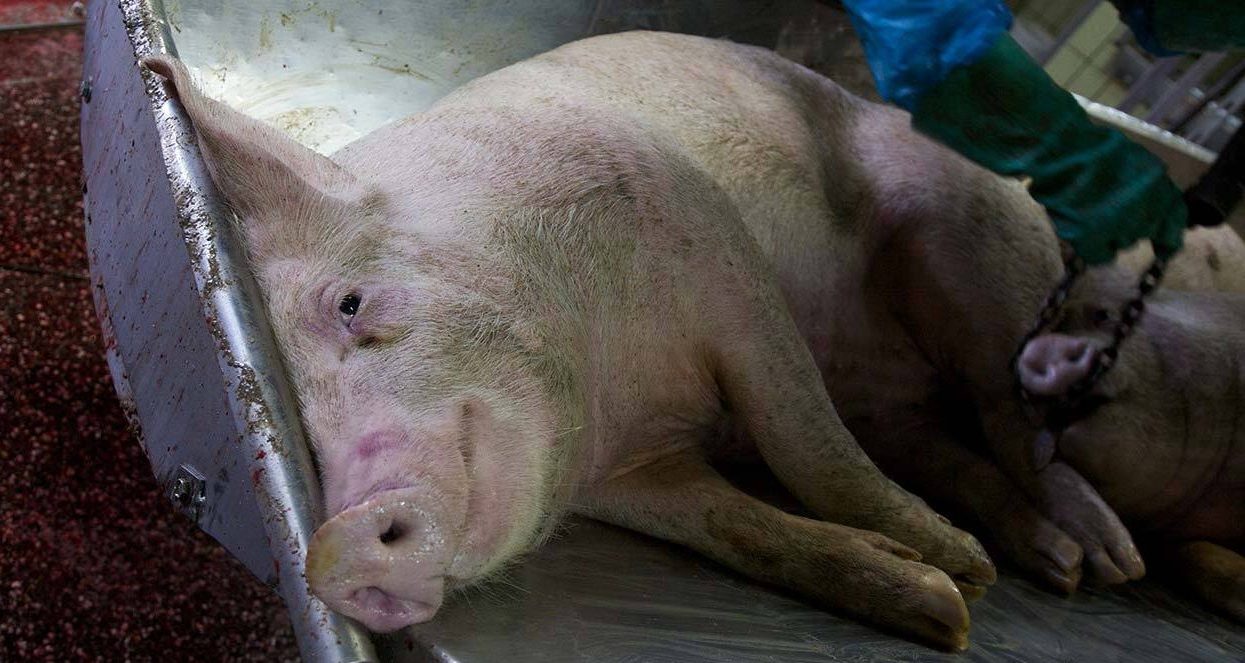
(94, 563)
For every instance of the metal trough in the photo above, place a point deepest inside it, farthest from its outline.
(194, 363)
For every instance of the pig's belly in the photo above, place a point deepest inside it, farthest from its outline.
(1218, 516)
(1213, 511)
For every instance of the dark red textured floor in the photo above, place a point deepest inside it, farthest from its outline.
(94, 563)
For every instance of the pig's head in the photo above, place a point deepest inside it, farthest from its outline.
(433, 438)
(1168, 409)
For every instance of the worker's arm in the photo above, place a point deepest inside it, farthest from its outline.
(970, 86)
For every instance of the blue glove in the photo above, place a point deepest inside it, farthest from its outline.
(913, 44)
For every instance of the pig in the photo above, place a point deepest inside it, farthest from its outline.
(1163, 446)
(565, 288)
(1212, 260)
(572, 283)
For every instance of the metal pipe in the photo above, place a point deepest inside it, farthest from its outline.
(35, 27)
(1178, 92)
(1142, 88)
(1225, 82)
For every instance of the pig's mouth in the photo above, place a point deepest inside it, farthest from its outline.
(1057, 376)
(387, 613)
(1058, 420)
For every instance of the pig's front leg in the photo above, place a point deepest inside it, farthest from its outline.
(869, 576)
(923, 456)
(777, 395)
(1072, 503)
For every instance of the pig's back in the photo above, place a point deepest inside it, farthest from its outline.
(772, 134)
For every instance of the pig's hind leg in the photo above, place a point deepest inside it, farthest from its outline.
(1210, 571)
(923, 455)
(972, 273)
(776, 395)
(864, 574)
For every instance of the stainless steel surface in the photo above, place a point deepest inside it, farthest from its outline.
(605, 594)
(1186, 161)
(1059, 34)
(189, 350)
(328, 73)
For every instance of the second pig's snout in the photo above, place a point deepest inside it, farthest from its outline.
(383, 562)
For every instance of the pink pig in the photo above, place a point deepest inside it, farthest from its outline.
(573, 282)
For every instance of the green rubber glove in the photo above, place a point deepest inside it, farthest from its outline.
(1103, 192)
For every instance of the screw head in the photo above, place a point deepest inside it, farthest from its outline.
(182, 491)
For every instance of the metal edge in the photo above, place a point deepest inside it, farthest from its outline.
(284, 479)
(1135, 124)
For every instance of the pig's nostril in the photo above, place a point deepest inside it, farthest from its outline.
(392, 534)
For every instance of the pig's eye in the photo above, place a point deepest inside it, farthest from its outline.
(1100, 316)
(349, 306)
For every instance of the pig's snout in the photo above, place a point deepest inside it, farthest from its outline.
(1051, 363)
(383, 562)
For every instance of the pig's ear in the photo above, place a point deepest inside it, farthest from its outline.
(258, 169)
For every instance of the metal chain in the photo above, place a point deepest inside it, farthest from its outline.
(1130, 315)
(1066, 408)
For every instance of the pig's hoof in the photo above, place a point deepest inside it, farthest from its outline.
(1213, 572)
(1233, 598)
(1110, 556)
(1114, 563)
(971, 591)
(878, 579)
(941, 615)
(963, 558)
(1058, 562)
(924, 602)
(1039, 547)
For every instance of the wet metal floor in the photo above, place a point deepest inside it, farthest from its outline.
(604, 594)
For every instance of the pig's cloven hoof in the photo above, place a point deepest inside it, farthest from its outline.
(943, 616)
(1115, 562)
(1110, 556)
(894, 590)
(957, 553)
(1039, 547)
